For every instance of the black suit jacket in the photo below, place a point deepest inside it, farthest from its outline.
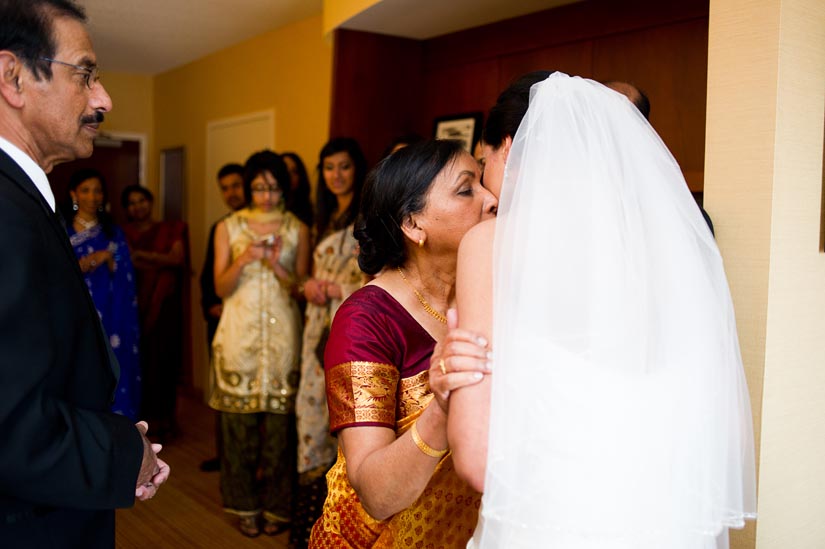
(65, 461)
(208, 296)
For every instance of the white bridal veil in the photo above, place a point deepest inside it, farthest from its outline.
(620, 414)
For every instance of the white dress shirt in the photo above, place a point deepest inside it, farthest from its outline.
(35, 172)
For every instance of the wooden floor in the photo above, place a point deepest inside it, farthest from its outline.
(187, 512)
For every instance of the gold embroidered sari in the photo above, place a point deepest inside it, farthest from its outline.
(377, 362)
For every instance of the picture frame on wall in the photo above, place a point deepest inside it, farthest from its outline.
(465, 127)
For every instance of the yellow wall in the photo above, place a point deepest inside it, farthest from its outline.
(763, 189)
(133, 102)
(288, 70)
(336, 12)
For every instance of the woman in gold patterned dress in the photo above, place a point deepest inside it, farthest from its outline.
(260, 252)
(393, 484)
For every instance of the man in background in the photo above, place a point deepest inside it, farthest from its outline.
(230, 184)
(66, 461)
(642, 103)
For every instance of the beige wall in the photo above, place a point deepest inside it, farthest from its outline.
(763, 188)
(287, 70)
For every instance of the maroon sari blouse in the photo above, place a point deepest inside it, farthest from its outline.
(375, 358)
(377, 363)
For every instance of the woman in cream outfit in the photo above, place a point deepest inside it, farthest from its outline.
(260, 253)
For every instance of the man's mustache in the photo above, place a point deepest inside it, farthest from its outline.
(95, 118)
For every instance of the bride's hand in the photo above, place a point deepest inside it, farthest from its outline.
(462, 358)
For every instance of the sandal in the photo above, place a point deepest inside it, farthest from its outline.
(249, 527)
(273, 528)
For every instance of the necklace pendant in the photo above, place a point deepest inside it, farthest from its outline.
(85, 224)
(427, 307)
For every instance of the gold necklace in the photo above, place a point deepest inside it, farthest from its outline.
(427, 307)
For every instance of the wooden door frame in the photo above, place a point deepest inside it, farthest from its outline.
(142, 140)
(162, 182)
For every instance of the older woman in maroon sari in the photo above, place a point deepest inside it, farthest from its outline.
(394, 484)
(160, 253)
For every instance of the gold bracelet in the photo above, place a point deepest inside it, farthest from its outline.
(423, 446)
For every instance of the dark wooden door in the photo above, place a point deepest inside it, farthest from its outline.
(173, 184)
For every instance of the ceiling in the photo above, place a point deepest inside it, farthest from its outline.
(422, 19)
(154, 36)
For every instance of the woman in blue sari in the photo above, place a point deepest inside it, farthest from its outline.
(103, 256)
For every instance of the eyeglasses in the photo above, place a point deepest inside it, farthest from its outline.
(91, 75)
(266, 189)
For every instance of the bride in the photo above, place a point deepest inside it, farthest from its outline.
(616, 414)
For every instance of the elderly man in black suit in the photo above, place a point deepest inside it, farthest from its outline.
(66, 461)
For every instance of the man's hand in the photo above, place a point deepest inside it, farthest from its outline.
(153, 471)
(148, 490)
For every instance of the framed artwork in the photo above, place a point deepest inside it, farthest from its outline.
(464, 127)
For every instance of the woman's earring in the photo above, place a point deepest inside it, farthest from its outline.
(420, 242)
(74, 205)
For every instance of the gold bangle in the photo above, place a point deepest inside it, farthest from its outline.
(423, 446)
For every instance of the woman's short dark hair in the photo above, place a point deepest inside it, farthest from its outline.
(124, 196)
(300, 203)
(27, 30)
(103, 217)
(327, 202)
(266, 161)
(511, 106)
(396, 189)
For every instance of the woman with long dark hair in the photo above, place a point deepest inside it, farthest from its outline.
(103, 256)
(342, 164)
(335, 275)
(299, 202)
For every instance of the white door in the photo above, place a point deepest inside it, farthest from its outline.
(233, 140)
(227, 140)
